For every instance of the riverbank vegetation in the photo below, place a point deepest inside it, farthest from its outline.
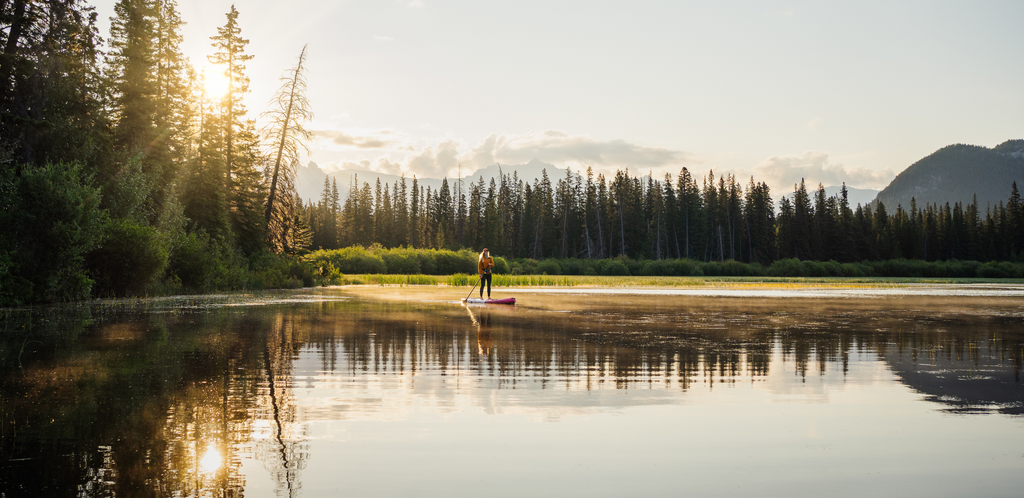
(404, 266)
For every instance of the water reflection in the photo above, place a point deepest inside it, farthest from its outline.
(173, 398)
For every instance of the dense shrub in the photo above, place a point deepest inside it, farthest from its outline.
(614, 267)
(272, 271)
(671, 268)
(428, 266)
(730, 268)
(525, 266)
(353, 259)
(855, 270)
(401, 261)
(572, 266)
(199, 263)
(50, 220)
(786, 268)
(633, 267)
(130, 260)
(448, 263)
(501, 266)
(548, 267)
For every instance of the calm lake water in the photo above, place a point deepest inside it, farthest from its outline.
(386, 391)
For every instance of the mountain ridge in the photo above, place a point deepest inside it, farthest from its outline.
(958, 173)
(309, 179)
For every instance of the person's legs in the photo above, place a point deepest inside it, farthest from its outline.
(488, 286)
(483, 277)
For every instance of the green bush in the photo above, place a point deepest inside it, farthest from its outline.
(548, 267)
(426, 261)
(730, 268)
(355, 259)
(501, 266)
(401, 261)
(448, 262)
(787, 268)
(633, 266)
(198, 264)
(614, 267)
(130, 260)
(989, 270)
(275, 271)
(670, 268)
(50, 220)
(855, 270)
(525, 266)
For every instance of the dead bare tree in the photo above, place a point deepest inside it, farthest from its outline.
(289, 110)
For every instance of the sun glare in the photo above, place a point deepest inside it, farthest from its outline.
(210, 462)
(215, 83)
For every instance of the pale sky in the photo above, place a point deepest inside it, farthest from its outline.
(833, 92)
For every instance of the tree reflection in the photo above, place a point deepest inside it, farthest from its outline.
(279, 436)
(125, 400)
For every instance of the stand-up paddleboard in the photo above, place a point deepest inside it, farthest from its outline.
(473, 300)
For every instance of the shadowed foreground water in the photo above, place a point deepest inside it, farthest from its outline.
(405, 392)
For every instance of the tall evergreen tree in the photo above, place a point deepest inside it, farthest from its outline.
(230, 54)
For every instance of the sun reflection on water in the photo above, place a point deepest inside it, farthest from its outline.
(211, 461)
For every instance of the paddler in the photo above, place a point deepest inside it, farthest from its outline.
(484, 266)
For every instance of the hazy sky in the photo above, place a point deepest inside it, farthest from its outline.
(833, 92)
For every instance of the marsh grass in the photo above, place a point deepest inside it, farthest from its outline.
(464, 280)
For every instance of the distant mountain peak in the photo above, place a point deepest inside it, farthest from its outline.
(956, 173)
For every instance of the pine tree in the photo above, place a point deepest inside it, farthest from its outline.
(245, 199)
(1015, 219)
(205, 198)
(474, 221)
(230, 53)
(802, 220)
(171, 93)
(334, 241)
(132, 58)
(691, 215)
(401, 201)
(414, 216)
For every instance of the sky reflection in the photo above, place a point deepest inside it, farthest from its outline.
(394, 391)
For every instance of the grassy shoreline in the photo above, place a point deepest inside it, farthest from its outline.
(464, 280)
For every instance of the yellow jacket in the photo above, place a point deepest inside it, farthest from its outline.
(485, 265)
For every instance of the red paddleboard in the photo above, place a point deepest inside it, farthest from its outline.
(507, 300)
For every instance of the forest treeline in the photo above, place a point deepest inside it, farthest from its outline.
(714, 219)
(120, 174)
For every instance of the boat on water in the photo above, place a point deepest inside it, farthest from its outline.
(474, 300)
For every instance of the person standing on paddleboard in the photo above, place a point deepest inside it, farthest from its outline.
(484, 266)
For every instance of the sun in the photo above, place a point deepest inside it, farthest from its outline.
(215, 82)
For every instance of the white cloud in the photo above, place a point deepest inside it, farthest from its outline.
(356, 139)
(578, 151)
(383, 38)
(438, 157)
(416, 4)
(380, 163)
(783, 171)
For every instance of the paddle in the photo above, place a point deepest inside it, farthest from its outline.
(471, 290)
